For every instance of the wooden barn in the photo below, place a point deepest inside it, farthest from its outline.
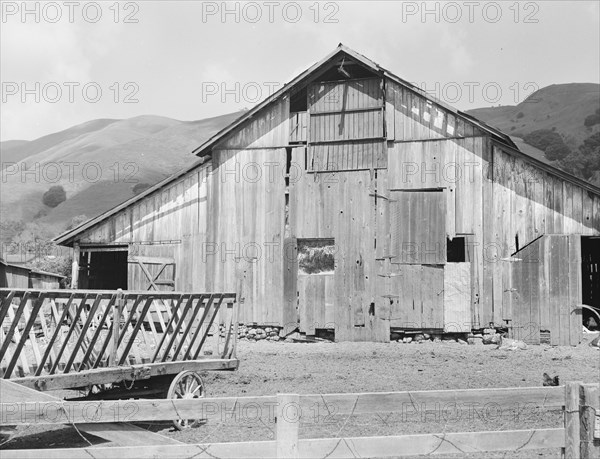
(352, 200)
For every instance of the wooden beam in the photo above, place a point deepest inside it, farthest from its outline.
(408, 403)
(75, 266)
(427, 444)
(250, 450)
(129, 373)
(433, 444)
(538, 397)
(107, 294)
(124, 434)
(288, 419)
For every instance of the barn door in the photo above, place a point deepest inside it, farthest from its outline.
(151, 273)
(316, 294)
(418, 227)
(545, 290)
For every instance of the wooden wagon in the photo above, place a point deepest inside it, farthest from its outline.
(116, 344)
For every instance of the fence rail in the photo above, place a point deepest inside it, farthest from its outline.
(48, 332)
(579, 437)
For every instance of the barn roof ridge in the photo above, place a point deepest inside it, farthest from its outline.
(203, 150)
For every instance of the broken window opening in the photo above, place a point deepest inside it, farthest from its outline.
(316, 256)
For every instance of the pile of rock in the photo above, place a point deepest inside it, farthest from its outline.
(417, 338)
(491, 336)
(486, 336)
(258, 332)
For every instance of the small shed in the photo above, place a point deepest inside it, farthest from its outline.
(18, 276)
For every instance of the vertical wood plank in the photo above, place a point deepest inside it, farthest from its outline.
(574, 301)
(551, 255)
(589, 417)
(572, 427)
(288, 425)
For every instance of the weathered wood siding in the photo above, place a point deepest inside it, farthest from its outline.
(44, 281)
(220, 222)
(410, 116)
(418, 227)
(493, 196)
(14, 276)
(526, 202)
(231, 218)
(340, 206)
(545, 290)
(270, 128)
(346, 125)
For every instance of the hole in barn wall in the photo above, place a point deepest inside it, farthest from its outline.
(372, 309)
(456, 250)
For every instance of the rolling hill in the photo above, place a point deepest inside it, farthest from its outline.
(97, 163)
(563, 107)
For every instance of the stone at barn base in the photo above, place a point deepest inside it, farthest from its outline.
(507, 344)
(496, 338)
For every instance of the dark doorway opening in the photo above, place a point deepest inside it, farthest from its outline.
(590, 280)
(456, 250)
(107, 270)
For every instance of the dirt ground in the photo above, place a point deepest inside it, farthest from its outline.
(268, 368)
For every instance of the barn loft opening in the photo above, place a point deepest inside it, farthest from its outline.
(298, 101)
(590, 280)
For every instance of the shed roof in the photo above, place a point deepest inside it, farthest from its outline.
(31, 270)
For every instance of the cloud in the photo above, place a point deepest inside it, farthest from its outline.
(56, 53)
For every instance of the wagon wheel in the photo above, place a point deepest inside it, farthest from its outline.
(186, 385)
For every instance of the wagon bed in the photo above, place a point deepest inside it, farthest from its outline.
(82, 339)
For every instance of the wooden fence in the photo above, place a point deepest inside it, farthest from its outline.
(579, 437)
(47, 332)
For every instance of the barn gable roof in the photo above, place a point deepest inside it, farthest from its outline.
(204, 150)
(308, 74)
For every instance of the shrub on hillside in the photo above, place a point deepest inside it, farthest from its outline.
(556, 152)
(550, 142)
(542, 138)
(54, 196)
(592, 120)
(584, 162)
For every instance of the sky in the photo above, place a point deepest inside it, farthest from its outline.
(65, 63)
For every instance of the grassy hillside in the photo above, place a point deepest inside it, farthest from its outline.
(97, 163)
(561, 107)
(18, 150)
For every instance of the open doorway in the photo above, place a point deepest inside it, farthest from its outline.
(590, 280)
(106, 270)
(316, 293)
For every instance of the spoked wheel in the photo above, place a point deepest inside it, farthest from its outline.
(186, 385)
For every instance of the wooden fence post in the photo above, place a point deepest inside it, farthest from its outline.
(572, 439)
(288, 418)
(589, 416)
(117, 311)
